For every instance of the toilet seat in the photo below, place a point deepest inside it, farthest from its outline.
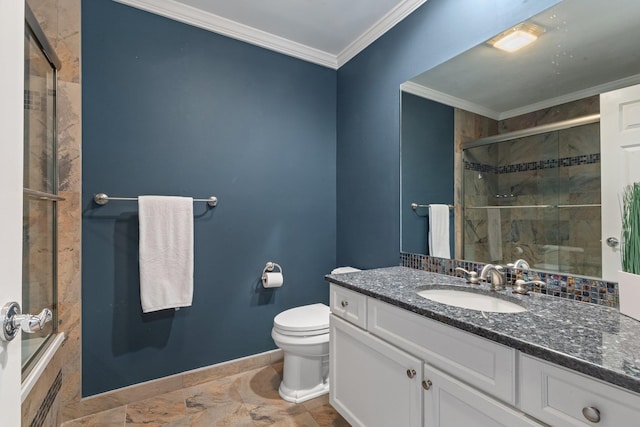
(307, 320)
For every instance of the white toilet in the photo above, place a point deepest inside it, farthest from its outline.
(303, 335)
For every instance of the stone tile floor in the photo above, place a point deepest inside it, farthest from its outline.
(248, 399)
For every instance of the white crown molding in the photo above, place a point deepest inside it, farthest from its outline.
(574, 96)
(425, 92)
(388, 21)
(208, 21)
(434, 95)
(217, 24)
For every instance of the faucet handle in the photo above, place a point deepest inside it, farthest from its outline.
(521, 287)
(473, 275)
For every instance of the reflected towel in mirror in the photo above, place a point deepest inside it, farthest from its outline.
(439, 231)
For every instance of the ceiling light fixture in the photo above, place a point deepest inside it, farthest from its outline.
(517, 37)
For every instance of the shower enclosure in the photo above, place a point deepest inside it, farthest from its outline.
(39, 249)
(535, 194)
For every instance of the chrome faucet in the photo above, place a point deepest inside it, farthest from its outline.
(498, 282)
(521, 264)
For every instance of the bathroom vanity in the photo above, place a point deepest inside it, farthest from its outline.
(400, 359)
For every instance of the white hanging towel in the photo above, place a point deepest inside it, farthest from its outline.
(166, 252)
(439, 231)
(494, 234)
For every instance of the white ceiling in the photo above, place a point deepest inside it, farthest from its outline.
(590, 46)
(325, 32)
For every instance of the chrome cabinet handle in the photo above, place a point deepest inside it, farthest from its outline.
(426, 384)
(344, 303)
(411, 373)
(12, 320)
(591, 413)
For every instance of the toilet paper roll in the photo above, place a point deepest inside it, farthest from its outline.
(272, 280)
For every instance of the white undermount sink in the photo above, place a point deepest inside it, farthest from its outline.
(471, 300)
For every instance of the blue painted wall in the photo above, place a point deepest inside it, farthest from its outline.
(175, 110)
(427, 167)
(368, 115)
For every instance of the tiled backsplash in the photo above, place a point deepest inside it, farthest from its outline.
(559, 285)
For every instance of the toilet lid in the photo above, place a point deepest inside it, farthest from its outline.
(314, 317)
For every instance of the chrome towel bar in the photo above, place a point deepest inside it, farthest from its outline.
(102, 199)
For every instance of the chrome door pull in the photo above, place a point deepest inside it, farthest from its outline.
(12, 319)
(612, 242)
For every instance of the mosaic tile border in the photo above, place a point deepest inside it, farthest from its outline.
(47, 403)
(37, 100)
(558, 285)
(583, 159)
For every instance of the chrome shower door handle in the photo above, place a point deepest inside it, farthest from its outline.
(12, 320)
(33, 323)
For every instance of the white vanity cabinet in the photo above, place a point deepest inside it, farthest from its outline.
(406, 370)
(392, 367)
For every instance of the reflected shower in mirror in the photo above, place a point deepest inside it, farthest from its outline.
(587, 47)
(537, 198)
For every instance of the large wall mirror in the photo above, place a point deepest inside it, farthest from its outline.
(511, 141)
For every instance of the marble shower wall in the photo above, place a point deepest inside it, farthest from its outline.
(556, 168)
(59, 385)
(467, 127)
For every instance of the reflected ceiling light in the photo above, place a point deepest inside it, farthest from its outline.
(517, 37)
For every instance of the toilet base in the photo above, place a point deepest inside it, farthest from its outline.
(299, 396)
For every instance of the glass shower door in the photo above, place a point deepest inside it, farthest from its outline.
(40, 188)
(536, 198)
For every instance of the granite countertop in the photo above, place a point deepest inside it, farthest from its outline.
(595, 340)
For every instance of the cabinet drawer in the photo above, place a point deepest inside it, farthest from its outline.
(349, 305)
(557, 396)
(488, 366)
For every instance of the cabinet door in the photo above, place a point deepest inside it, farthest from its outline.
(450, 403)
(372, 382)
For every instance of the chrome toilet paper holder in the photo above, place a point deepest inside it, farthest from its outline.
(269, 268)
(271, 278)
